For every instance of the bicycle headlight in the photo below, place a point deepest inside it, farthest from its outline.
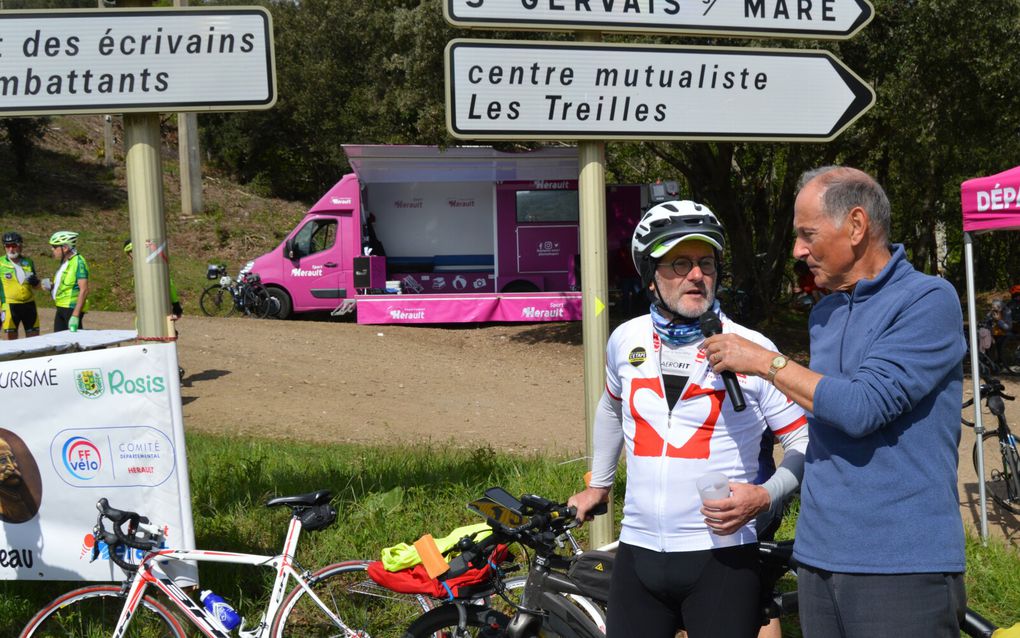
(225, 281)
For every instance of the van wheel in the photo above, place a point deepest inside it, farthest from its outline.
(520, 286)
(282, 302)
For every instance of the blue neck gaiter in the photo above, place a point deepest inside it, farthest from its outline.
(678, 331)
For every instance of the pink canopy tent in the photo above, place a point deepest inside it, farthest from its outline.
(989, 203)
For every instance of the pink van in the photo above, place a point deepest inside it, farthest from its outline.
(422, 235)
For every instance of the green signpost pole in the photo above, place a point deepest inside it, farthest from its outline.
(591, 187)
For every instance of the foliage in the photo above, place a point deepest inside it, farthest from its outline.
(21, 134)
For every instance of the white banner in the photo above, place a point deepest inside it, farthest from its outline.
(78, 427)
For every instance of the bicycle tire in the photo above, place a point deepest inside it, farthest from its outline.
(257, 301)
(594, 610)
(441, 622)
(352, 596)
(1002, 471)
(93, 611)
(217, 301)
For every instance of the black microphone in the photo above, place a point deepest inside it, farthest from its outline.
(710, 325)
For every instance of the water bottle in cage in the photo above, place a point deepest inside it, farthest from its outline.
(221, 609)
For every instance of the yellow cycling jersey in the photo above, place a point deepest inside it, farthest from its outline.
(14, 276)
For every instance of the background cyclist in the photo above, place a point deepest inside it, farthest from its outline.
(664, 404)
(18, 278)
(70, 283)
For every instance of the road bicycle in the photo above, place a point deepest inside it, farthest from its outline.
(1001, 458)
(245, 295)
(337, 600)
(548, 604)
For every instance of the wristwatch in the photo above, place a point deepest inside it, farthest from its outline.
(778, 363)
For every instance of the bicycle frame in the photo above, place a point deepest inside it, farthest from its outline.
(283, 564)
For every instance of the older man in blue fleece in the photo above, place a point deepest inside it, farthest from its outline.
(879, 537)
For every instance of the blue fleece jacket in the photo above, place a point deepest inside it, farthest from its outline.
(879, 492)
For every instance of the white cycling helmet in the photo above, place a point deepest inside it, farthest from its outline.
(64, 238)
(666, 225)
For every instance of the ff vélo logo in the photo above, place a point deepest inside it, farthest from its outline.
(82, 458)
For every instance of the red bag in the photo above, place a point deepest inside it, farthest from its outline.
(414, 580)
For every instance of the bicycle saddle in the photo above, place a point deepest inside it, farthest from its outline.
(319, 497)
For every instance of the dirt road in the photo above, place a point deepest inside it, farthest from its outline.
(515, 388)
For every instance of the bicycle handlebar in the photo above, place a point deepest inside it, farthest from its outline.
(139, 535)
(547, 520)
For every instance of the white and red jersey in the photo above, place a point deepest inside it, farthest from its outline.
(668, 450)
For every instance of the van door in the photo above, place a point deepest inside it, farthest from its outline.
(314, 278)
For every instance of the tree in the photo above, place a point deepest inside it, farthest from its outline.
(21, 134)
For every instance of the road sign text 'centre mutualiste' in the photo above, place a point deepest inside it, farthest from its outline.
(573, 91)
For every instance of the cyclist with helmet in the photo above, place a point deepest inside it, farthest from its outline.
(18, 278)
(681, 563)
(175, 301)
(70, 283)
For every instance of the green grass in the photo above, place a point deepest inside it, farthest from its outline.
(388, 495)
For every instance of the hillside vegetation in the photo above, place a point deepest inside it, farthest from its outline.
(70, 188)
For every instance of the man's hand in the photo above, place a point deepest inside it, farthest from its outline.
(33, 280)
(72, 325)
(584, 501)
(737, 354)
(725, 516)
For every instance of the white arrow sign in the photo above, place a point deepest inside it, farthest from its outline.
(779, 18)
(570, 91)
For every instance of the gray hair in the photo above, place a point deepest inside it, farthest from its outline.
(846, 188)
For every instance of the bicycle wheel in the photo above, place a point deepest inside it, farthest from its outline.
(591, 608)
(257, 301)
(216, 301)
(1002, 472)
(355, 598)
(92, 612)
(442, 622)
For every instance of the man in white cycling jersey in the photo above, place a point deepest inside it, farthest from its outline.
(682, 563)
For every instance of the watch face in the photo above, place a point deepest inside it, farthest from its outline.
(779, 362)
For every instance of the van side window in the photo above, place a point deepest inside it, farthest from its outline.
(547, 206)
(314, 237)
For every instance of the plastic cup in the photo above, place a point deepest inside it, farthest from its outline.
(713, 486)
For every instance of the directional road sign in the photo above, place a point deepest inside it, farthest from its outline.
(571, 91)
(776, 18)
(136, 60)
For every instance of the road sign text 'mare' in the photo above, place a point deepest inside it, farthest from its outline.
(794, 18)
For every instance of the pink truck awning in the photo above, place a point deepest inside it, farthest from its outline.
(992, 203)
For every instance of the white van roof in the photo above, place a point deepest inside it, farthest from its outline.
(381, 163)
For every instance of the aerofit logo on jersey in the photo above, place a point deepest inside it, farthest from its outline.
(637, 356)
